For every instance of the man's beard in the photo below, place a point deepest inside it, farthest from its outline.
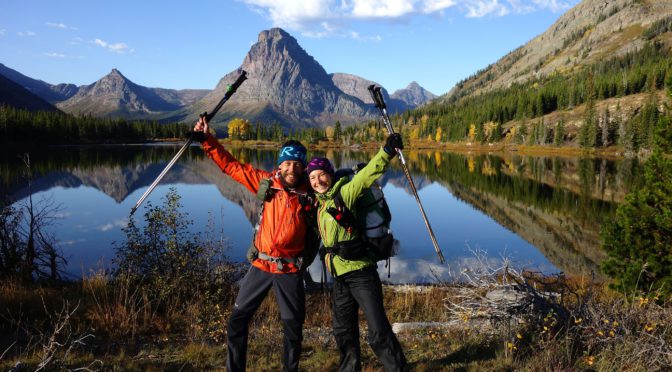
(283, 181)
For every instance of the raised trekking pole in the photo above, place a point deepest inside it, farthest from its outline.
(377, 97)
(208, 116)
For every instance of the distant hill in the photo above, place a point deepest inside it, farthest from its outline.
(591, 32)
(114, 95)
(48, 92)
(15, 95)
(358, 87)
(595, 78)
(413, 95)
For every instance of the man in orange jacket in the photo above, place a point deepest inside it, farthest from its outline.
(280, 241)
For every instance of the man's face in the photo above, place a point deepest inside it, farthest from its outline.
(291, 172)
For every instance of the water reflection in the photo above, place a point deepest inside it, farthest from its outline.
(541, 212)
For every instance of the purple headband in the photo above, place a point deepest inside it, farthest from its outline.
(320, 163)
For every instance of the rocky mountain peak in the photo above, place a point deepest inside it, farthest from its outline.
(285, 84)
(413, 95)
(274, 33)
(116, 95)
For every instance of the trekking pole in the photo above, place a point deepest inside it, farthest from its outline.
(380, 104)
(208, 116)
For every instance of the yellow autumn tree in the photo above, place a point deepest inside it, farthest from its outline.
(239, 128)
(472, 132)
(439, 134)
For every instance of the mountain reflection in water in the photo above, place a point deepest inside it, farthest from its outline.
(542, 213)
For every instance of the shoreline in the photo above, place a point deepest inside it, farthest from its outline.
(612, 152)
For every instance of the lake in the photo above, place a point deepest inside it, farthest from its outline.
(540, 213)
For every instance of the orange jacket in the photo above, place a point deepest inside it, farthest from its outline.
(282, 227)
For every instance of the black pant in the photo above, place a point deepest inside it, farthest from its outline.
(363, 288)
(290, 296)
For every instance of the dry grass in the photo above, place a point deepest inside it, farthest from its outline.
(574, 324)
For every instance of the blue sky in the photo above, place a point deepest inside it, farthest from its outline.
(192, 44)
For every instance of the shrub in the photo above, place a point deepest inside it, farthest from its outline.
(175, 267)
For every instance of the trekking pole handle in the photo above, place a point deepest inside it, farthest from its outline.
(379, 96)
(230, 90)
(376, 96)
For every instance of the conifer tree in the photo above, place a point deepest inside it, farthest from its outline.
(338, 132)
(559, 132)
(588, 131)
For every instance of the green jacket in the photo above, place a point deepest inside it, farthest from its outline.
(330, 231)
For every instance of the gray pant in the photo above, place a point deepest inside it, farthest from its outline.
(289, 293)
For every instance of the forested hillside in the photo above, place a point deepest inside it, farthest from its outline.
(520, 113)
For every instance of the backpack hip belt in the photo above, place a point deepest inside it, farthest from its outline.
(281, 261)
(350, 250)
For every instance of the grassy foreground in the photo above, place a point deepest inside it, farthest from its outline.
(102, 323)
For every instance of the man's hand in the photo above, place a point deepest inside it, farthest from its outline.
(201, 129)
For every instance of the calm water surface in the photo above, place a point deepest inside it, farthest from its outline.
(541, 213)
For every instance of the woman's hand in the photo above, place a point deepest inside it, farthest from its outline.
(393, 143)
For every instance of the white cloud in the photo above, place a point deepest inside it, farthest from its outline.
(119, 48)
(382, 8)
(26, 33)
(62, 26)
(320, 18)
(482, 8)
(61, 55)
(433, 6)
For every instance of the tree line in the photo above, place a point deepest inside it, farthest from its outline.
(23, 126)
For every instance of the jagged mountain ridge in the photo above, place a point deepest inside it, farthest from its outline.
(115, 95)
(285, 84)
(15, 95)
(358, 87)
(592, 31)
(46, 91)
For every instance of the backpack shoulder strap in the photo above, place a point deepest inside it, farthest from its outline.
(343, 215)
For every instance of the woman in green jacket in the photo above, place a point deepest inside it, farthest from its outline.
(352, 264)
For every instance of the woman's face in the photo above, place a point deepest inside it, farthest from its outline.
(320, 181)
